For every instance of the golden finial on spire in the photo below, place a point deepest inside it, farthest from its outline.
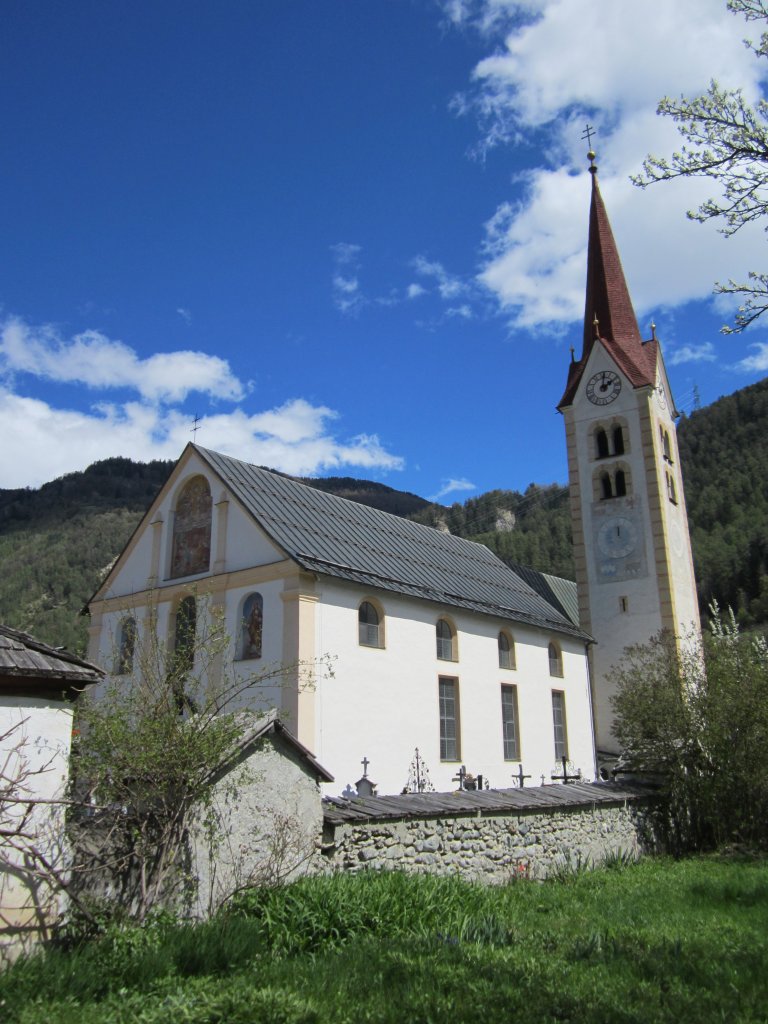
(573, 354)
(653, 331)
(595, 326)
(587, 134)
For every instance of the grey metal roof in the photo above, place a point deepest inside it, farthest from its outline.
(27, 665)
(560, 593)
(338, 810)
(336, 537)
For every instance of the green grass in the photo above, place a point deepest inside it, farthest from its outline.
(681, 941)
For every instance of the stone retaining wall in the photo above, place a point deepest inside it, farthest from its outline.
(493, 845)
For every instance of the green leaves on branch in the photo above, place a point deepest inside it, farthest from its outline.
(726, 140)
(698, 719)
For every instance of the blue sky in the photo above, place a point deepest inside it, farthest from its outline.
(348, 235)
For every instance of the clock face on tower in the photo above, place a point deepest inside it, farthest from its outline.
(617, 537)
(603, 387)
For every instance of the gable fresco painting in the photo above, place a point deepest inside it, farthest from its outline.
(192, 529)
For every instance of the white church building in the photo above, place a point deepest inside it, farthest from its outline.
(434, 643)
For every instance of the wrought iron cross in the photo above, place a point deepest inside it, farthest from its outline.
(520, 777)
(195, 427)
(460, 777)
(565, 777)
(365, 762)
(587, 134)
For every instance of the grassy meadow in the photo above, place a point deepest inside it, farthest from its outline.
(662, 940)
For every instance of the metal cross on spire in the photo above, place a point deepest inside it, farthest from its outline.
(587, 134)
(195, 427)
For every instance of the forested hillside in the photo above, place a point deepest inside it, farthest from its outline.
(57, 542)
(724, 454)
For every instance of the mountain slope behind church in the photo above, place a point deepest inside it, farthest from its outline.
(57, 541)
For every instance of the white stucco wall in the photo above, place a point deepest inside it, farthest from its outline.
(270, 826)
(383, 703)
(34, 750)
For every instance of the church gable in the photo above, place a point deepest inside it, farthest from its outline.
(195, 528)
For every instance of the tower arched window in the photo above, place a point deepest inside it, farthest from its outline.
(555, 660)
(671, 492)
(446, 640)
(606, 490)
(370, 632)
(601, 443)
(252, 626)
(621, 483)
(618, 440)
(126, 644)
(191, 546)
(506, 650)
(666, 447)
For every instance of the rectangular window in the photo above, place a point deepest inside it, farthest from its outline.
(450, 748)
(558, 720)
(509, 723)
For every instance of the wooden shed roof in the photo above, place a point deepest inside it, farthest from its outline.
(28, 666)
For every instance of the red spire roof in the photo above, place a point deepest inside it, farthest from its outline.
(608, 312)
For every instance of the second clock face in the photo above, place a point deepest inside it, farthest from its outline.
(603, 387)
(617, 537)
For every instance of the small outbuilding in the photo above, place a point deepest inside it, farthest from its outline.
(38, 689)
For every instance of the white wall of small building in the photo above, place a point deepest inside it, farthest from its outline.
(36, 739)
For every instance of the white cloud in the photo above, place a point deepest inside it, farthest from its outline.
(185, 314)
(348, 297)
(415, 290)
(41, 442)
(613, 64)
(451, 486)
(758, 363)
(92, 359)
(463, 311)
(448, 286)
(693, 354)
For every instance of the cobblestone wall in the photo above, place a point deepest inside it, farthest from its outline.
(492, 848)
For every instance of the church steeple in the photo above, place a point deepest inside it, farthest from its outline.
(608, 312)
(632, 552)
(607, 300)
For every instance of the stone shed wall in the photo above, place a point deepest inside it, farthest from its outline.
(496, 846)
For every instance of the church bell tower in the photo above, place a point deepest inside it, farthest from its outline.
(632, 549)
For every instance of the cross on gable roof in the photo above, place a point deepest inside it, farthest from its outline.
(332, 536)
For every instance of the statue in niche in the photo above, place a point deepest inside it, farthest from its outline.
(252, 626)
(191, 552)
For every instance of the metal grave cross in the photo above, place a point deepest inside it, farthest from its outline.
(519, 777)
(460, 777)
(365, 762)
(566, 777)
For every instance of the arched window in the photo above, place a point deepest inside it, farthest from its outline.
(601, 442)
(621, 483)
(126, 643)
(251, 626)
(369, 626)
(605, 486)
(555, 661)
(445, 640)
(184, 638)
(666, 448)
(191, 547)
(671, 489)
(618, 440)
(506, 651)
